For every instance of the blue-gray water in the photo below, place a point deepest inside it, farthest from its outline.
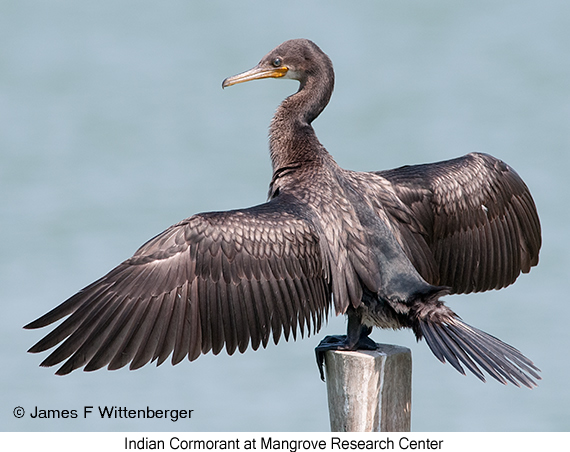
(113, 125)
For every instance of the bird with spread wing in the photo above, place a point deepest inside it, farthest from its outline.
(380, 247)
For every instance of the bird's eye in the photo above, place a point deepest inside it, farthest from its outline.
(277, 62)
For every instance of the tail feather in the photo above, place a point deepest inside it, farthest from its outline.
(456, 342)
(515, 364)
(454, 352)
(512, 353)
(485, 357)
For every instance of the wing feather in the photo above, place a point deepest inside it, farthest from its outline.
(476, 215)
(218, 279)
(165, 341)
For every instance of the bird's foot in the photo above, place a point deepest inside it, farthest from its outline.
(340, 343)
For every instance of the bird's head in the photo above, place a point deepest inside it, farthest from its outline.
(296, 59)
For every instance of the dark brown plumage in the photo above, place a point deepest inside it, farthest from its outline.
(382, 246)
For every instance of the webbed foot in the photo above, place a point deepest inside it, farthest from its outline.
(341, 343)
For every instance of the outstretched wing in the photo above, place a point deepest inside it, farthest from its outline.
(222, 278)
(477, 217)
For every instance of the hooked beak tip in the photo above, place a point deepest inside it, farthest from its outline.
(255, 74)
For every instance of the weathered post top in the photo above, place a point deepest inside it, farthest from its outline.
(370, 391)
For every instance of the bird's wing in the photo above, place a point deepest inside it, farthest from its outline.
(217, 278)
(477, 217)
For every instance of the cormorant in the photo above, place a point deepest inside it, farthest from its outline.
(383, 247)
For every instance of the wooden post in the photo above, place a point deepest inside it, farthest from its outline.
(370, 391)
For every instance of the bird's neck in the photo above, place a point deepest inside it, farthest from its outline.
(292, 139)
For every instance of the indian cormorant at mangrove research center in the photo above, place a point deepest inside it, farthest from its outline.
(381, 247)
(285, 445)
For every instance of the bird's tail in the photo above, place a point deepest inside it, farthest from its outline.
(454, 341)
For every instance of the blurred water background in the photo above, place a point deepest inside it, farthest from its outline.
(113, 125)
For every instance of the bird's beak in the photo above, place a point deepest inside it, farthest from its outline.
(256, 73)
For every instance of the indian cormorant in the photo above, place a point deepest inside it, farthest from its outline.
(382, 246)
